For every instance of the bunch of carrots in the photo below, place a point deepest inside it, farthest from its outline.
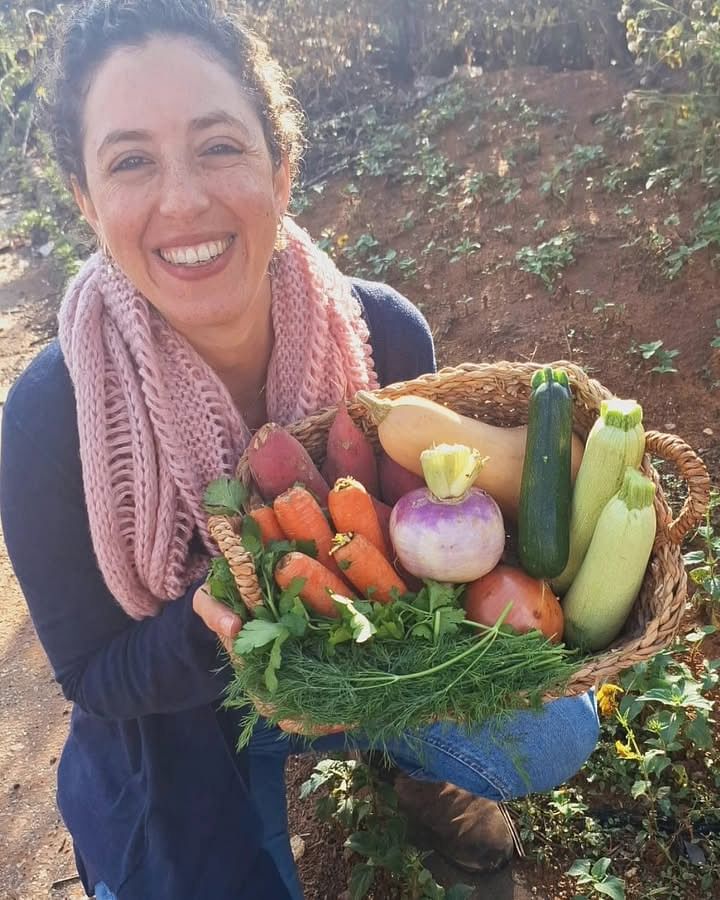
(352, 540)
(353, 558)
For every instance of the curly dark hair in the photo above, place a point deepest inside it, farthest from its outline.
(95, 28)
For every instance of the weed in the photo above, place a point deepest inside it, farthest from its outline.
(595, 876)
(548, 259)
(464, 249)
(704, 564)
(559, 182)
(368, 809)
(655, 352)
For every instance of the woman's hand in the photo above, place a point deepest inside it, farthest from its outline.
(217, 617)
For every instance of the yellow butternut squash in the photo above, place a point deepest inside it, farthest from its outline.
(408, 425)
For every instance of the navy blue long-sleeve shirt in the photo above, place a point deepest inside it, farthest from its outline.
(149, 783)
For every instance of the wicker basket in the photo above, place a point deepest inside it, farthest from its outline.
(499, 393)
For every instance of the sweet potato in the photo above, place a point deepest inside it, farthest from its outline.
(395, 481)
(278, 461)
(349, 453)
(383, 513)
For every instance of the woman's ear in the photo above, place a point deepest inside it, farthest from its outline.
(282, 184)
(85, 204)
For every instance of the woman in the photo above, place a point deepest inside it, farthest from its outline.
(206, 313)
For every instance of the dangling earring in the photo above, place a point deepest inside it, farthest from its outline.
(280, 234)
(103, 245)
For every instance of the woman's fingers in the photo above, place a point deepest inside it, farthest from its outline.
(216, 616)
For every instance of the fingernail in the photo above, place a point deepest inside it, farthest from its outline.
(227, 625)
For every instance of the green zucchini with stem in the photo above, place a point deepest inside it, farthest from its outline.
(546, 486)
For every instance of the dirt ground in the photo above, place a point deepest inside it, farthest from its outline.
(480, 309)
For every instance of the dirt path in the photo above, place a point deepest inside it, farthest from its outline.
(33, 713)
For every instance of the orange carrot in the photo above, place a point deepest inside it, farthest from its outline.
(267, 522)
(319, 584)
(301, 518)
(351, 509)
(365, 567)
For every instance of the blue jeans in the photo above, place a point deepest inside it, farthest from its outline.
(103, 892)
(529, 752)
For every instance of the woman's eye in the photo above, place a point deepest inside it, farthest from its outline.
(220, 150)
(129, 163)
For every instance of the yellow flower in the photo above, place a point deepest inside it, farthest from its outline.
(607, 699)
(342, 241)
(625, 752)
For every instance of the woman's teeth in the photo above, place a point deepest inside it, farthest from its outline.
(199, 255)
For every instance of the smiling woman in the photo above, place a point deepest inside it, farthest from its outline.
(205, 313)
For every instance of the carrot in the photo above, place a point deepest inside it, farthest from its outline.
(365, 567)
(319, 584)
(301, 518)
(266, 520)
(351, 508)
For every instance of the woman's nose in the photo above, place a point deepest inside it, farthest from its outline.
(183, 193)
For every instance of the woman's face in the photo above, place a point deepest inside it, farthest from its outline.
(180, 182)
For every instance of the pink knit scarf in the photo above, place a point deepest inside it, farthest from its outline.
(156, 424)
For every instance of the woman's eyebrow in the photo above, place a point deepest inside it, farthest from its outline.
(200, 123)
(218, 117)
(121, 135)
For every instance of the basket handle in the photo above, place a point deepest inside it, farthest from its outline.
(692, 470)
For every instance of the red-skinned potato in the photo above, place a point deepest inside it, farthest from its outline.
(534, 604)
(278, 460)
(349, 453)
(396, 481)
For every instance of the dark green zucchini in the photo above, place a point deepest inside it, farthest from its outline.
(546, 487)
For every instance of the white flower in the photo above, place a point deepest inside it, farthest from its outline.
(697, 5)
(703, 36)
(633, 47)
(622, 15)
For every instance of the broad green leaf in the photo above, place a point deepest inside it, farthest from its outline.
(612, 887)
(361, 879)
(225, 497)
(600, 867)
(639, 788)
(252, 541)
(366, 843)
(579, 867)
(257, 633)
(271, 682)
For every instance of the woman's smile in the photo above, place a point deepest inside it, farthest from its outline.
(195, 260)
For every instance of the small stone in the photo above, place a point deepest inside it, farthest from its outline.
(297, 846)
(670, 426)
(46, 249)
(528, 296)
(708, 432)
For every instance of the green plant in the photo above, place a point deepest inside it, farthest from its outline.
(595, 876)
(704, 563)
(654, 351)
(464, 249)
(548, 259)
(367, 807)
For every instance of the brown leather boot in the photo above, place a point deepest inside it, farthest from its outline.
(469, 831)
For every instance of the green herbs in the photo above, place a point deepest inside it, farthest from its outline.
(391, 687)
